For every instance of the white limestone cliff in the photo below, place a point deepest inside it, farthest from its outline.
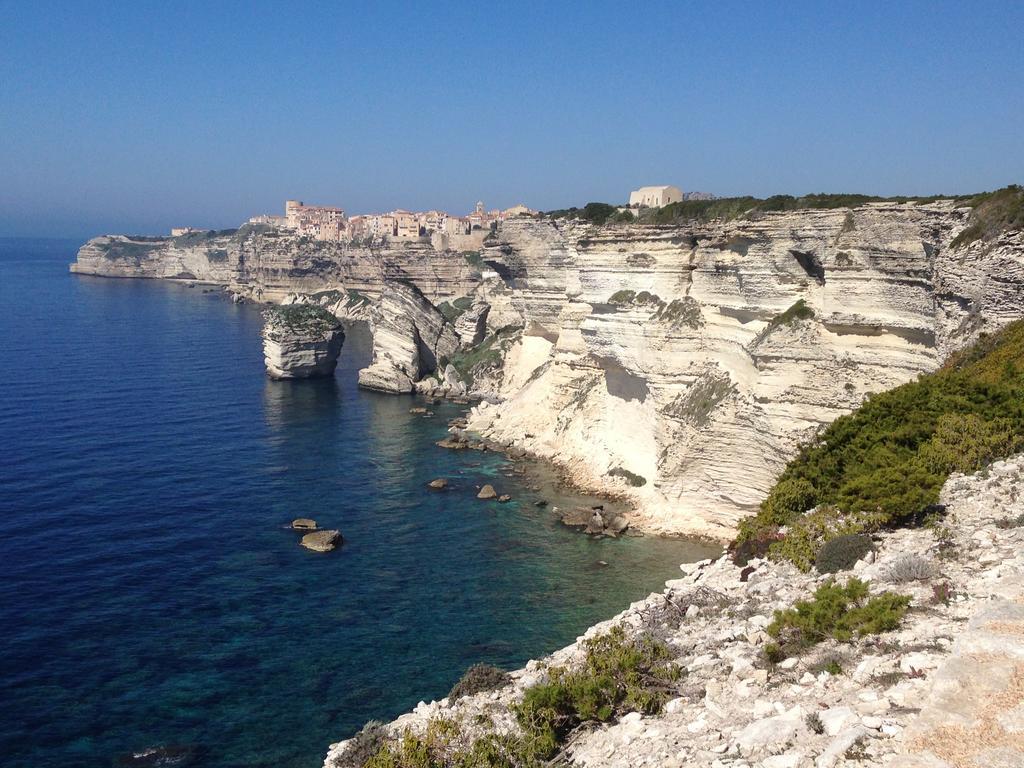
(410, 337)
(675, 374)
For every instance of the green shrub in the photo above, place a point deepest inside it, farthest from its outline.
(799, 311)
(837, 612)
(842, 552)
(991, 214)
(370, 740)
(887, 461)
(622, 297)
(787, 500)
(479, 678)
(808, 534)
(596, 213)
(298, 318)
(729, 208)
(632, 478)
(485, 356)
(619, 674)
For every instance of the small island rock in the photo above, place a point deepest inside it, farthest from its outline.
(303, 524)
(504, 498)
(438, 485)
(322, 541)
(301, 341)
(487, 493)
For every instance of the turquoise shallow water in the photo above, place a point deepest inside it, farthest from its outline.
(149, 592)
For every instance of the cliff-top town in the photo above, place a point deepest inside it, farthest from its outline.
(329, 223)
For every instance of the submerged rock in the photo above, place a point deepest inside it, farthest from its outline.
(301, 341)
(303, 524)
(578, 517)
(172, 755)
(595, 521)
(322, 541)
(504, 498)
(487, 493)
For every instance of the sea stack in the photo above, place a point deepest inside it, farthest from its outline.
(301, 341)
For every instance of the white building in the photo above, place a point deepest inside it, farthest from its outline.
(655, 197)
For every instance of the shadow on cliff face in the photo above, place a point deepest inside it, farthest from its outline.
(620, 382)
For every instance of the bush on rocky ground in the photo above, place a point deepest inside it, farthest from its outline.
(364, 745)
(632, 478)
(620, 674)
(836, 612)
(842, 552)
(909, 568)
(992, 213)
(478, 679)
(804, 540)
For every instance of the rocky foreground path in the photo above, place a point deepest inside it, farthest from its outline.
(974, 714)
(946, 690)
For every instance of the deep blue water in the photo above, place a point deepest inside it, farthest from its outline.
(149, 591)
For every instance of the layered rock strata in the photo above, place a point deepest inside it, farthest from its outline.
(266, 264)
(301, 342)
(941, 691)
(683, 365)
(410, 337)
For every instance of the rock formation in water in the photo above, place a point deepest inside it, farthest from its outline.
(410, 337)
(677, 365)
(301, 342)
(322, 541)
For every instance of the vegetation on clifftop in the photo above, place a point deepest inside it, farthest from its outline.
(618, 674)
(838, 612)
(298, 318)
(884, 464)
(992, 213)
(729, 208)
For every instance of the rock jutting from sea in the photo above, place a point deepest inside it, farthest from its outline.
(410, 337)
(301, 341)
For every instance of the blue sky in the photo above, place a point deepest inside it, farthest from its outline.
(139, 116)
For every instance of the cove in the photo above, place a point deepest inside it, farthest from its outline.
(151, 593)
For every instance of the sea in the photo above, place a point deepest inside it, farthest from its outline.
(154, 604)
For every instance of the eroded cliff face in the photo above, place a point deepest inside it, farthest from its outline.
(682, 366)
(678, 365)
(410, 339)
(265, 264)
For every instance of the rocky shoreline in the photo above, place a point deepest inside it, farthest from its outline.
(942, 690)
